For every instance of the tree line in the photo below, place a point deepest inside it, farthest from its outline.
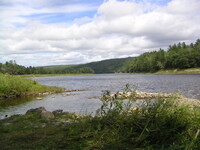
(12, 68)
(178, 56)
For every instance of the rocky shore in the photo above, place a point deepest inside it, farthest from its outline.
(55, 118)
(49, 93)
(134, 94)
(138, 95)
(40, 95)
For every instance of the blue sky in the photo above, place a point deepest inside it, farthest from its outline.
(52, 17)
(63, 17)
(53, 32)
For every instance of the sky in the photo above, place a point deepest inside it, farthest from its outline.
(61, 32)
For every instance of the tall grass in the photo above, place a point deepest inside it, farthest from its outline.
(163, 124)
(16, 86)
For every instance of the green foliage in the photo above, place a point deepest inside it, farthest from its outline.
(105, 66)
(16, 86)
(14, 69)
(79, 70)
(178, 56)
(161, 124)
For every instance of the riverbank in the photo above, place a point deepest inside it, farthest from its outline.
(173, 71)
(14, 86)
(180, 71)
(159, 125)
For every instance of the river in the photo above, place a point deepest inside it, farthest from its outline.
(88, 102)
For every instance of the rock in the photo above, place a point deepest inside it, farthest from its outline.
(128, 94)
(46, 93)
(120, 93)
(66, 113)
(119, 96)
(39, 98)
(37, 110)
(59, 111)
(47, 115)
(112, 95)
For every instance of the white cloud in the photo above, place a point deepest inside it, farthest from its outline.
(120, 28)
(114, 9)
(16, 12)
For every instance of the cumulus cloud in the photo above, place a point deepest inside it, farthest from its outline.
(117, 29)
(114, 9)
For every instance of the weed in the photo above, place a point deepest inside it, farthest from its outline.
(13, 86)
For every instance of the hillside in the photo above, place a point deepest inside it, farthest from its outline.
(178, 56)
(105, 66)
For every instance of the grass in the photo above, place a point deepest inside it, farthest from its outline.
(4, 103)
(162, 124)
(173, 71)
(180, 71)
(14, 86)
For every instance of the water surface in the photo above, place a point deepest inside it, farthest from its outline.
(88, 101)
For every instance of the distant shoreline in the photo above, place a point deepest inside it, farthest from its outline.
(172, 71)
(49, 75)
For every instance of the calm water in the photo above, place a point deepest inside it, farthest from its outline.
(88, 102)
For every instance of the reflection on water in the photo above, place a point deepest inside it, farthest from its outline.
(4, 103)
(88, 102)
(64, 101)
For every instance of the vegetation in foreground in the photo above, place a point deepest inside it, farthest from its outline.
(162, 124)
(13, 86)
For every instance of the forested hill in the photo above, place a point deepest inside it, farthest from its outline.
(178, 56)
(105, 66)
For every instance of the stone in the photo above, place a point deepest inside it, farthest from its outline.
(39, 98)
(47, 115)
(66, 113)
(119, 96)
(128, 94)
(46, 93)
(37, 110)
(59, 111)
(120, 93)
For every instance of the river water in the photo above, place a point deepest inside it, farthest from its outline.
(88, 101)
